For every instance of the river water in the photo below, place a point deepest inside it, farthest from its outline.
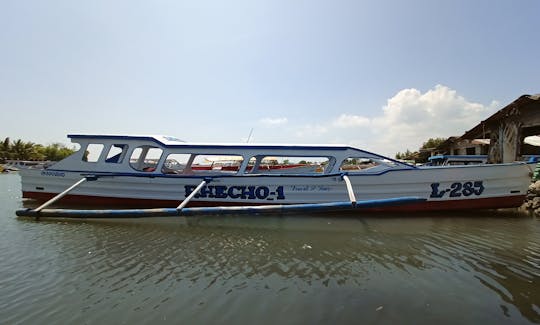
(459, 268)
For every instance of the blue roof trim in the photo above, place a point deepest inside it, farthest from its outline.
(115, 137)
(187, 145)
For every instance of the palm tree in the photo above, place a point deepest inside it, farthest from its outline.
(22, 150)
(5, 150)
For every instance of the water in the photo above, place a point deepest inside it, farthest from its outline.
(461, 268)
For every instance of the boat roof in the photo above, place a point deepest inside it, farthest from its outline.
(170, 142)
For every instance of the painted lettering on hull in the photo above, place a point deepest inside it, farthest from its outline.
(53, 173)
(457, 189)
(237, 192)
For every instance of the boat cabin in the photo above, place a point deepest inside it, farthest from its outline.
(164, 155)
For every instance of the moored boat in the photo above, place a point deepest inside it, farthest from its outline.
(160, 171)
(447, 160)
(17, 165)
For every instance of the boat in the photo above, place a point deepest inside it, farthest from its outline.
(447, 160)
(129, 171)
(17, 165)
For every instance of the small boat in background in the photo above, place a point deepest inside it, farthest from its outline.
(16, 165)
(161, 171)
(449, 160)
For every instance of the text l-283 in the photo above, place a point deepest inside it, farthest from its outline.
(457, 189)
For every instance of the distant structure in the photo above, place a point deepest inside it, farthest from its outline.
(502, 135)
(457, 146)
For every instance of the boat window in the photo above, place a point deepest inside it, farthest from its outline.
(288, 165)
(358, 164)
(175, 163)
(145, 158)
(93, 151)
(229, 164)
(116, 153)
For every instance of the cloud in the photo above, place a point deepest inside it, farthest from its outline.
(273, 121)
(347, 121)
(409, 118)
(311, 131)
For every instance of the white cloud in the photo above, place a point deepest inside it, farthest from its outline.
(311, 132)
(408, 119)
(273, 121)
(347, 121)
(411, 117)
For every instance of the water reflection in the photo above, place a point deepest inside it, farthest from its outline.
(299, 254)
(467, 268)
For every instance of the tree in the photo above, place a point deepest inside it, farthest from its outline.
(407, 155)
(5, 150)
(56, 151)
(433, 143)
(39, 152)
(421, 155)
(22, 150)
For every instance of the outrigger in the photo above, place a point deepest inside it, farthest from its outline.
(183, 178)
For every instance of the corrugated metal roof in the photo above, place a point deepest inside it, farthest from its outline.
(478, 130)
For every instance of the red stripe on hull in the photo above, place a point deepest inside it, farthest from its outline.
(471, 204)
(84, 200)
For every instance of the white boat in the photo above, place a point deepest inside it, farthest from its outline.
(161, 171)
(446, 160)
(17, 165)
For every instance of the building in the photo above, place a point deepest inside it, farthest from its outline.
(502, 135)
(457, 146)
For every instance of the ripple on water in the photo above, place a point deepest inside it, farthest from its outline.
(245, 269)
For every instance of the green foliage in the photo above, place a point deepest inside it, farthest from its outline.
(4, 150)
(407, 155)
(419, 156)
(432, 143)
(22, 150)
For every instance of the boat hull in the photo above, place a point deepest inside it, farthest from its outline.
(470, 204)
(444, 188)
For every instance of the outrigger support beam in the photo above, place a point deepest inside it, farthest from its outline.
(352, 197)
(61, 195)
(195, 192)
(234, 210)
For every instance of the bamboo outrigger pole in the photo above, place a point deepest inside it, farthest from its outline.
(195, 192)
(60, 195)
(352, 197)
(221, 210)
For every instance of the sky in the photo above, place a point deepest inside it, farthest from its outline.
(382, 75)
